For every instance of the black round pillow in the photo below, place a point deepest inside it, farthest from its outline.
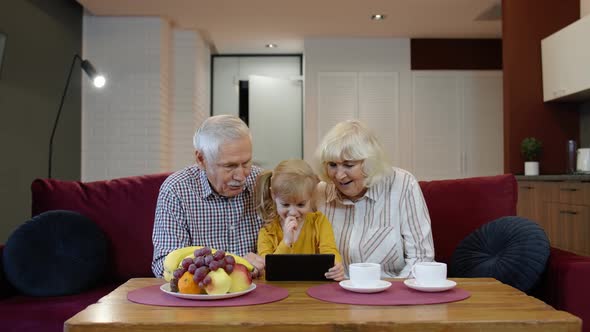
(55, 253)
(513, 250)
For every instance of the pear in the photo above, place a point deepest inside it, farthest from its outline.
(220, 282)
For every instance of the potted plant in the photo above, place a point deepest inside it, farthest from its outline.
(531, 149)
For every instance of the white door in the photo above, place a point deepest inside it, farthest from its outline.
(275, 117)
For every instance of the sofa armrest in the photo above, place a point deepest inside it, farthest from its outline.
(6, 288)
(565, 285)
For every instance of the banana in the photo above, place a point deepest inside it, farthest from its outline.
(174, 259)
(167, 275)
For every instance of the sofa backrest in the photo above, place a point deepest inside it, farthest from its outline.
(458, 207)
(123, 208)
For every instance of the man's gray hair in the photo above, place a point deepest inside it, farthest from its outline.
(215, 131)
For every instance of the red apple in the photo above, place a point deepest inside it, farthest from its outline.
(241, 278)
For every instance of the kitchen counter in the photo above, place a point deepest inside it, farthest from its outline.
(560, 203)
(555, 177)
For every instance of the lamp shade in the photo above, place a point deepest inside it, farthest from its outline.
(97, 79)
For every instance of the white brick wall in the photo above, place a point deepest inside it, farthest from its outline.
(128, 127)
(191, 93)
(121, 124)
(185, 50)
(203, 84)
(166, 110)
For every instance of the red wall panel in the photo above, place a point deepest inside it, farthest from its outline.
(524, 24)
(456, 54)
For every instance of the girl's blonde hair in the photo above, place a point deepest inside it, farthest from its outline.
(292, 179)
(352, 140)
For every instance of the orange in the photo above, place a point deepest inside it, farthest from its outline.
(186, 285)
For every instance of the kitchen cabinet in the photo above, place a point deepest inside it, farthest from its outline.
(565, 63)
(562, 208)
(531, 194)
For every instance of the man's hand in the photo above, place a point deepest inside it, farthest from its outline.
(336, 272)
(257, 262)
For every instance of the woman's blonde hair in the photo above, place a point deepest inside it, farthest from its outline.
(352, 140)
(292, 179)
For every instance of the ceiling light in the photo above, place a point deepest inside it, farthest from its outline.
(378, 17)
(271, 45)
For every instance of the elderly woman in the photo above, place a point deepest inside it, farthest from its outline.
(377, 211)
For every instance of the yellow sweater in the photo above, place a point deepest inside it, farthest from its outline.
(316, 237)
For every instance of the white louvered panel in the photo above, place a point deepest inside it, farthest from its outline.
(337, 99)
(379, 108)
(437, 120)
(482, 135)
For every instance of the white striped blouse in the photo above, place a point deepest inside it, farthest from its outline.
(389, 225)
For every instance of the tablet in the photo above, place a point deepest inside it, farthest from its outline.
(298, 267)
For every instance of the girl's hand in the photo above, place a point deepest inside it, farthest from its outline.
(255, 260)
(290, 230)
(258, 264)
(336, 272)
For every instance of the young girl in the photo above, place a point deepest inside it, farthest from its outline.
(284, 200)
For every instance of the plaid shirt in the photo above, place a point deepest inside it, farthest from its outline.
(190, 213)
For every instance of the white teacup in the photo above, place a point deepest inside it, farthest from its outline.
(364, 274)
(430, 273)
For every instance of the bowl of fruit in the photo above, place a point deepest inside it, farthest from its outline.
(203, 273)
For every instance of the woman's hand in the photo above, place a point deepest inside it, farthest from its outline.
(336, 272)
(290, 230)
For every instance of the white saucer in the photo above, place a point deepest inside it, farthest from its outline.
(380, 286)
(446, 285)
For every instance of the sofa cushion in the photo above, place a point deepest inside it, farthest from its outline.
(6, 289)
(47, 314)
(513, 250)
(458, 207)
(55, 253)
(123, 208)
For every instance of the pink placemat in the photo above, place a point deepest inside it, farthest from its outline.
(397, 294)
(152, 295)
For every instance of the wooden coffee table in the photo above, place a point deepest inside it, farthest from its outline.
(493, 306)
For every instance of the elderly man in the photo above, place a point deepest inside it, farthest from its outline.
(211, 203)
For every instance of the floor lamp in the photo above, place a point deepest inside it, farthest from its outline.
(98, 81)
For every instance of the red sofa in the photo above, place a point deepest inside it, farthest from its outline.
(124, 210)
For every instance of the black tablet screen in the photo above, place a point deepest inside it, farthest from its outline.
(298, 267)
